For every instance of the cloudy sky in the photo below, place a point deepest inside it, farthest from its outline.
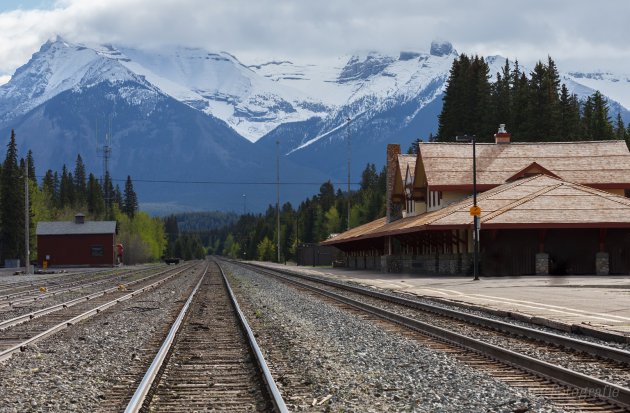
(578, 34)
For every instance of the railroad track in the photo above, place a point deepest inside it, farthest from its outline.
(544, 363)
(209, 359)
(18, 333)
(9, 288)
(46, 290)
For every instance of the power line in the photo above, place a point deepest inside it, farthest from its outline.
(158, 181)
(167, 181)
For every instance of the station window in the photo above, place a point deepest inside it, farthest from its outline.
(97, 250)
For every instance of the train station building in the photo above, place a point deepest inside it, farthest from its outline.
(546, 208)
(76, 243)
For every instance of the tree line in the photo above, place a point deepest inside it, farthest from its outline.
(60, 196)
(537, 107)
(254, 236)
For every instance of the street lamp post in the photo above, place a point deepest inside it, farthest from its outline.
(475, 211)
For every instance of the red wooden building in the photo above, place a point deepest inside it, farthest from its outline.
(76, 243)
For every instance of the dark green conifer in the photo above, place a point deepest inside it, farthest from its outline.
(79, 180)
(130, 200)
(12, 208)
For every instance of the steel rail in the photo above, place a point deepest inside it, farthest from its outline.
(586, 385)
(595, 349)
(75, 286)
(277, 399)
(140, 395)
(71, 286)
(48, 310)
(18, 347)
(6, 288)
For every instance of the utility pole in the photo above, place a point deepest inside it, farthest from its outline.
(348, 119)
(278, 196)
(475, 211)
(27, 251)
(244, 204)
(106, 152)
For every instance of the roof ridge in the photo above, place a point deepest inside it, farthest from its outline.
(604, 194)
(455, 207)
(521, 201)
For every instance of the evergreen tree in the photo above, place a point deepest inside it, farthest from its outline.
(31, 166)
(543, 109)
(66, 189)
(117, 198)
(450, 122)
(48, 185)
(326, 195)
(80, 188)
(12, 207)
(586, 121)
(467, 105)
(520, 99)
(620, 128)
(94, 197)
(601, 128)
(413, 147)
(502, 96)
(130, 202)
(569, 115)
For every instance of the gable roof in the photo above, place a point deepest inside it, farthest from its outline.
(532, 169)
(71, 228)
(404, 162)
(601, 164)
(535, 202)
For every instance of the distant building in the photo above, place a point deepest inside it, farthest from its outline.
(553, 207)
(76, 243)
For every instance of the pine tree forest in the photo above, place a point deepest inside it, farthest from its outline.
(535, 107)
(315, 219)
(60, 196)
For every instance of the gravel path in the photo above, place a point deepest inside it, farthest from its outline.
(362, 367)
(72, 370)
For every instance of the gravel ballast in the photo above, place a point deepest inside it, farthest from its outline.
(354, 365)
(72, 371)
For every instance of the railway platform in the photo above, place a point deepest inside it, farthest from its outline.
(593, 305)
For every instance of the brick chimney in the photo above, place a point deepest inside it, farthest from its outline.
(502, 136)
(393, 150)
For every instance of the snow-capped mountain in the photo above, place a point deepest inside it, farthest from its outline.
(221, 118)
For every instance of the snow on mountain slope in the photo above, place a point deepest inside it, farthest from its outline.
(218, 84)
(614, 86)
(256, 99)
(57, 67)
(363, 85)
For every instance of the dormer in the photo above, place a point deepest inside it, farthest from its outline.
(532, 169)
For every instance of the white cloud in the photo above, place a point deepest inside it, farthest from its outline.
(582, 33)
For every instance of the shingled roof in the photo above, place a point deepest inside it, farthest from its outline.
(72, 228)
(535, 202)
(600, 164)
(404, 162)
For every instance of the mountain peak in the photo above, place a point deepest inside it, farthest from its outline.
(363, 66)
(441, 48)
